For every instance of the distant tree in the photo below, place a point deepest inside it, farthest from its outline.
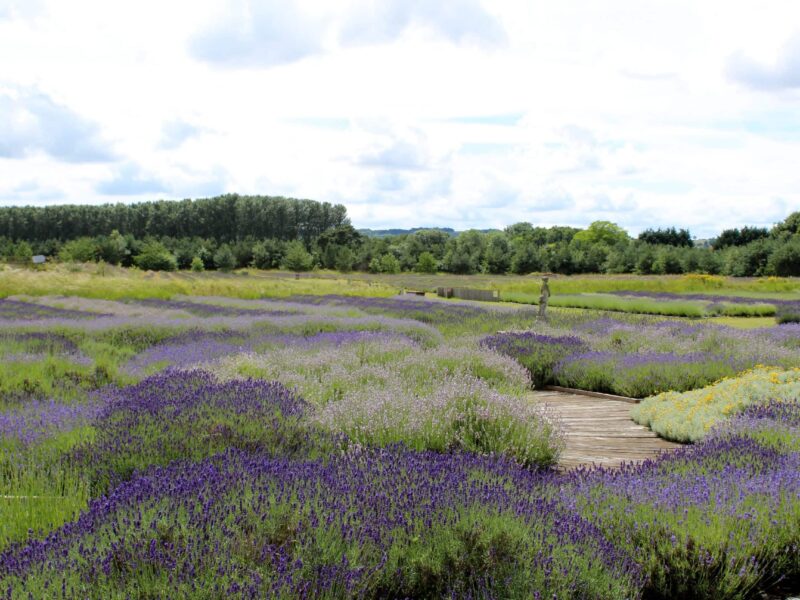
(666, 237)
(789, 226)
(785, 260)
(739, 237)
(197, 265)
(525, 258)
(224, 259)
(344, 259)
(297, 257)
(464, 253)
(602, 232)
(268, 254)
(667, 261)
(22, 252)
(426, 263)
(374, 265)
(83, 249)
(156, 257)
(113, 249)
(498, 254)
(389, 264)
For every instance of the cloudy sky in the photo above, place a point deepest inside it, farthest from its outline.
(460, 113)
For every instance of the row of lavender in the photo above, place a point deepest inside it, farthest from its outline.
(786, 311)
(639, 356)
(241, 499)
(207, 484)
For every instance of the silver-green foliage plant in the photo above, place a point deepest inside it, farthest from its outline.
(689, 416)
(389, 392)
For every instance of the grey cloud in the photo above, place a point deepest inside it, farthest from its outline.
(458, 21)
(268, 33)
(552, 200)
(130, 180)
(31, 192)
(31, 121)
(399, 155)
(174, 133)
(784, 74)
(390, 182)
(19, 9)
(264, 33)
(604, 203)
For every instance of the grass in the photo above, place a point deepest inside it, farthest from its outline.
(743, 322)
(112, 283)
(646, 306)
(104, 281)
(41, 487)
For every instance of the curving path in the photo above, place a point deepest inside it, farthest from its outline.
(600, 431)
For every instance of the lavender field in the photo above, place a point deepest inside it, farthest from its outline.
(342, 446)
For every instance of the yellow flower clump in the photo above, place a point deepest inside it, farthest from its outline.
(687, 416)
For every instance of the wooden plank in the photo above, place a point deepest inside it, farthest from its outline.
(599, 430)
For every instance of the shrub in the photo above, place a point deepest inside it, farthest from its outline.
(224, 259)
(197, 265)
(688, 416)
(155, 257)
(297, 258)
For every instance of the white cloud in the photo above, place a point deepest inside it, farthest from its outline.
(467, 113)
(783, 74)
(130, 180)
(459, 21)
(259, 33)
(30, 122)
(174, 133)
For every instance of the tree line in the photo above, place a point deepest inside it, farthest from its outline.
(300, 235)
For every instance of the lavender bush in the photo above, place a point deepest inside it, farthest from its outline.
(369, 524)
(537, 352)
(189, 414)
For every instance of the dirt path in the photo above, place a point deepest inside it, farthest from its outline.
(600, 431)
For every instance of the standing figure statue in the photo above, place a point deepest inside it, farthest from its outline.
(543, 297)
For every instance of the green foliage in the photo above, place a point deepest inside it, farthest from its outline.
(224, 259)
(389, 264)
(268, 254)
(22, 252)
(223, 218)
(668, 237)
(498, 254)
(82, 249)
(197, 265)
(602, 232)
(156, 257)
(426, 263)
(344, 259)
(785, 261)
(464, 253)
(297, 257)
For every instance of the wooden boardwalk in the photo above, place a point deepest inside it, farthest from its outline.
(600, 431)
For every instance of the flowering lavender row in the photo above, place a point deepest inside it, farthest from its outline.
(537, 352)
(386, 523)
(40, 419)
(203, 309)
(640, 356)
(189, 414)
(427, 311)
(718, 519)
(717, 299)
(198, 346)
(17, 310)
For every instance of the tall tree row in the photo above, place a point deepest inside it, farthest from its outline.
(224, 219)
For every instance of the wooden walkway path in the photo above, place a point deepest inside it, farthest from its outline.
(600, 431)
